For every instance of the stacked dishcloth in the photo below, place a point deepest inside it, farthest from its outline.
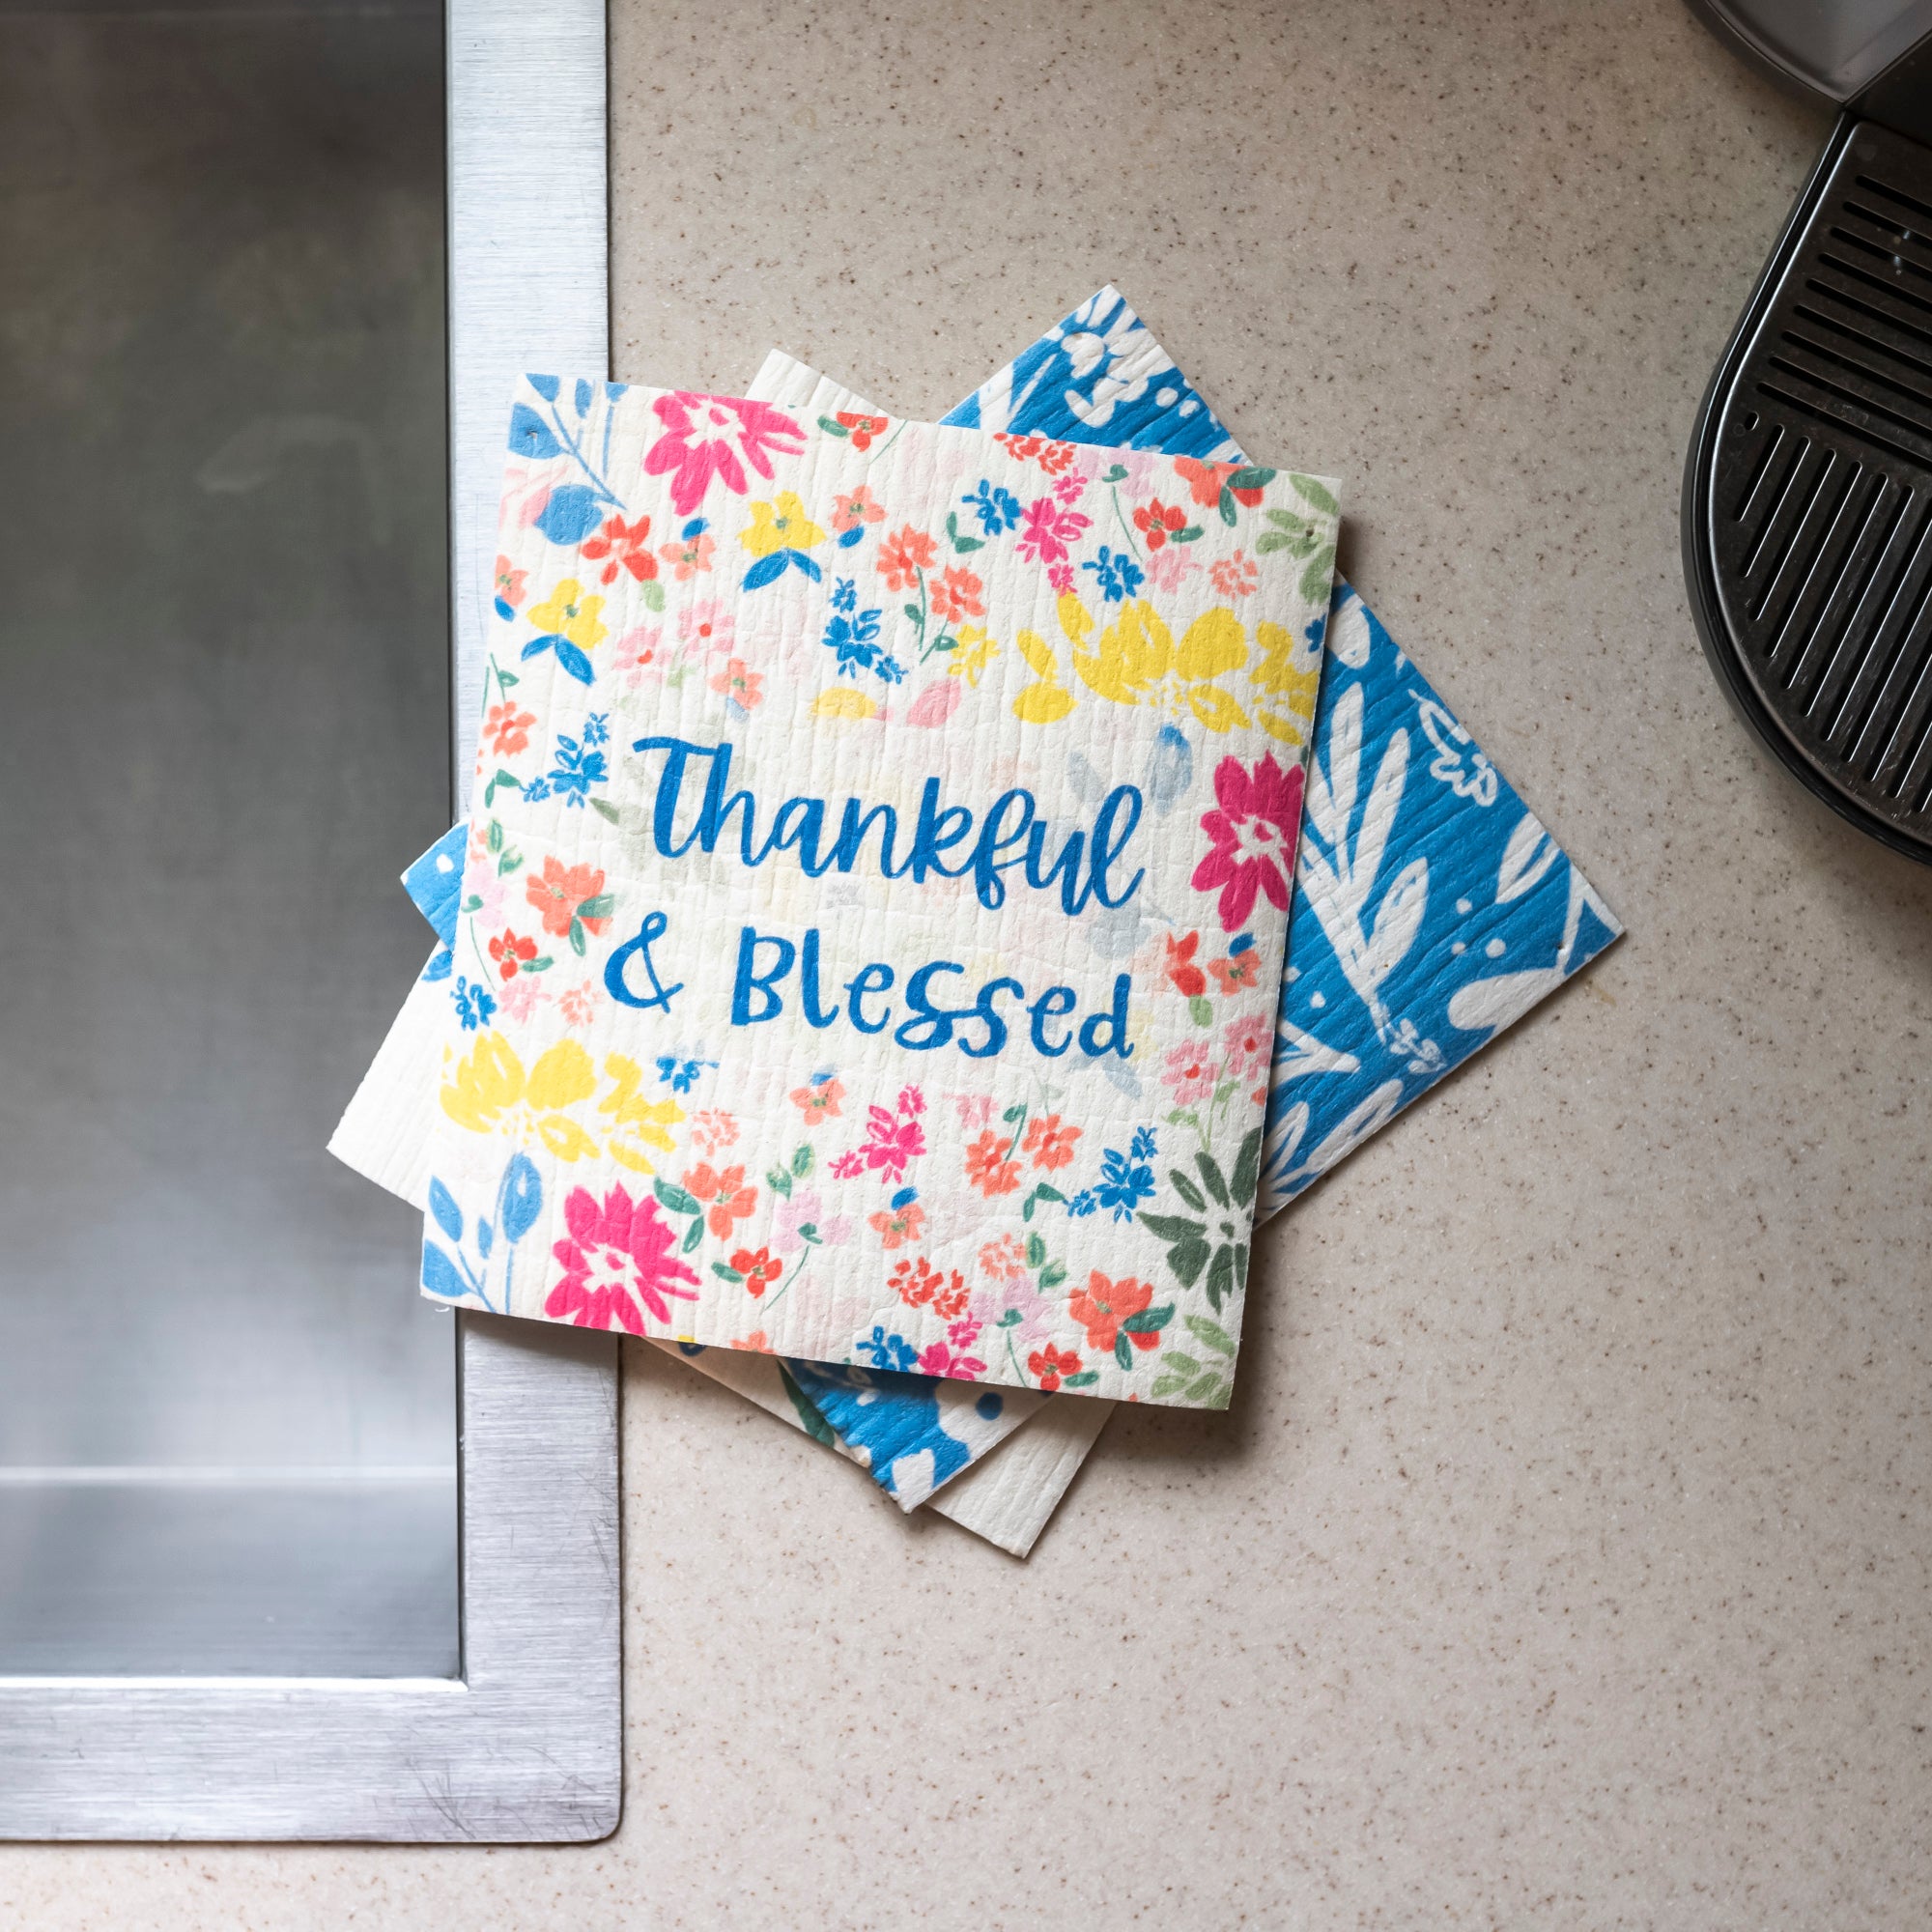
(1430, 909)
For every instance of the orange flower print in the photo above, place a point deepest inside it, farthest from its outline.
(1051, 1366)
(921, 1285)
(1156, 522)
(1052, 457)
(740, 683)
(722, 1194)
(1050, 1144)
(508, 730)
(1239, 969)
(904, 556)
(621, 545)
(987, 1167)
(509, 587)
(711, 1128)
(1003, 1259)
(578, 1006)
(1205, 480)
(759, 1270)
(1102, 1305)
(689, 555)
(818, 1100)
(853, 512)
(560, 891)
(509, 952)
(863, 428)
(899, 1227)
(957, 596)
(1187, 977)
(1234, 576)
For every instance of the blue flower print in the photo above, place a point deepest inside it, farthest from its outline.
(997, 509)
(852, 636)
(578, 767)
(474, 1004)
(681, 1073)
(597, 729)
(1118, 575)
(1127, 1180)
(889, 1351)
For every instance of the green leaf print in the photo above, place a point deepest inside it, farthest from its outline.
(1310, 491)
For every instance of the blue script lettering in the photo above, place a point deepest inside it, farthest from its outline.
(1012, 835)
(976, 1027)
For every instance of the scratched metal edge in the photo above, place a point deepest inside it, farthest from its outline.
(528, 1744)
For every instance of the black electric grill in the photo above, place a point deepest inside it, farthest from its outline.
(1807, 525)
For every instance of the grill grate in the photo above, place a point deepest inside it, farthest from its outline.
(1820, 506)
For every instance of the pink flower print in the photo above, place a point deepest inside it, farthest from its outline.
(717, 436)
(941, 1359)
(1060, 577)
(711, 1128)
(1047, 528)
(891, 1140)
(741, 684)
(804, 1210)
(578, 1006)
(1254, 828)
(521, 998)
(707, 627)
(1249, 1045)
(1141, 466)
(688, 558)
(639, 654)
(509, 587)
(619, 1264)
(1188, 1075)
(848, 513)
(489, 891)
(964, 1332)
(1169, 568)
(1234, 576)
(1071, 487)
(974, 1110)
(1038, 1316)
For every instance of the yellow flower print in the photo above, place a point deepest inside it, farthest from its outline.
(1213, 643)
(636, 1122)
(571, 614)
(1291, 672)
(977, 649)
(1047, 702)
(843, 701)
(1136, 661)
(781, 526)
(1134, 653)
(491, 1094)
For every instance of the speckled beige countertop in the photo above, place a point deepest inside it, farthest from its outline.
(1566, 1559)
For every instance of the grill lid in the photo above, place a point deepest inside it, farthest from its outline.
(1808, 492)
